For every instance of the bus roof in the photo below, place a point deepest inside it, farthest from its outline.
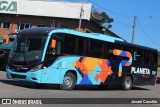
(136, 46)
(37, 30)
(49, 30)
(88, 35)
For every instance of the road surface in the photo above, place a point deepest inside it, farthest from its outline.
(21, 89)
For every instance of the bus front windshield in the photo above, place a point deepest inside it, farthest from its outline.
(27, 49)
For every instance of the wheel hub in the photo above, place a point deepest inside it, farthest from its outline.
(128, 84)
(68, 81)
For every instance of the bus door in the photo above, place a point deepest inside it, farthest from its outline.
(51, 73)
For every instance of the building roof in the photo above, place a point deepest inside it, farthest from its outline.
(46, 8)
(50, 9)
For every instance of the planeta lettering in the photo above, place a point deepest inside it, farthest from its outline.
(140, 70)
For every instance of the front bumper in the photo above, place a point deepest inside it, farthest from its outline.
(27, 76)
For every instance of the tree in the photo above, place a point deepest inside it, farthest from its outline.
(102, 18)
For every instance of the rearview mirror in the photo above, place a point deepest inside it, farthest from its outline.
(53, 43)
(7, 39)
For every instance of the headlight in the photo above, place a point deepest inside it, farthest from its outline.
(7, 67)
(2, 53)
(36, 68)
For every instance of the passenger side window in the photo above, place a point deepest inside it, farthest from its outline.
(70, 44)
(75, 45)
(96, 48)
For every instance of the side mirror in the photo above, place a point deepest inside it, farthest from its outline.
(53, 43)
(7, 39)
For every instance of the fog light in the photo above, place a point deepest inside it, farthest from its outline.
(34, 78)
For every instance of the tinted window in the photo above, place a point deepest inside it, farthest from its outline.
(70, 44)
(96, 48)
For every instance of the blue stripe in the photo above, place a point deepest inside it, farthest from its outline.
(88, 35)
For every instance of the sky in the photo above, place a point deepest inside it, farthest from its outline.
(147, 31)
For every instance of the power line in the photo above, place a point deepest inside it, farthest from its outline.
(111, 11)
(118, 22)
(87, 9)
(124, 28)
(78, 6)
(147, 35)
(65, 3)
(105, 9)
(123, 24)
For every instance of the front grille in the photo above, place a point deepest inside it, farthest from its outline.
(18, 76)
(18, 63)
(19, 68)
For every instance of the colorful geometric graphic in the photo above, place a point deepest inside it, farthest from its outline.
(87, 66)
(105, 70)
(123, 62)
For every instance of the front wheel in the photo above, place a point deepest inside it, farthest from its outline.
(127, 84)
(69, 82)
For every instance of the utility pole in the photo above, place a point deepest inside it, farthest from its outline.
(80, 19)
(134, 26)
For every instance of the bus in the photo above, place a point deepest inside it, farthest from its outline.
(69, 58)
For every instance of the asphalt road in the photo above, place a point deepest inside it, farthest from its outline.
(21, 89)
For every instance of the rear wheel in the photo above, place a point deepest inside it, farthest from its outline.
(69, 82)
(127, 84)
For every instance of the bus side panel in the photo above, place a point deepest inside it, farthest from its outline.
(141, 75)
(114, 79)
(93, 71)
(89, 71)
(51, 75)
(57, 71)
(96, 71)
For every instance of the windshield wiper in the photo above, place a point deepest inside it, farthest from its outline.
(21, 49)
(13, 56)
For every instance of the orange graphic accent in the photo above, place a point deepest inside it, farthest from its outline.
(117, 52)
(88, 65)
(82, 67)
(105, 71)
(127, 64)
(120, 73)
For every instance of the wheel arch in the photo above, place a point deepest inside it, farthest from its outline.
(130, 75)
(71, 71)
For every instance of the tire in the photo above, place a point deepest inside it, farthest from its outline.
(127, 84)
(69, 82)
